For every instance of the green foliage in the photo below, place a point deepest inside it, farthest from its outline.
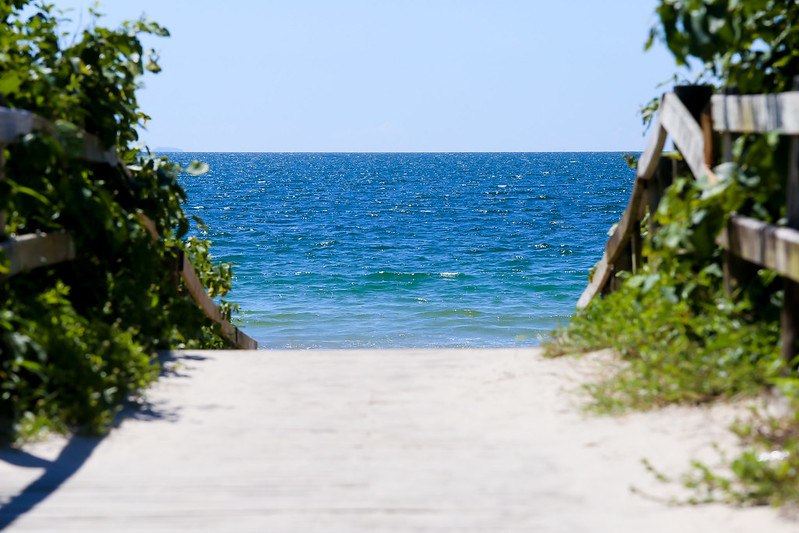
(51, 348)
(90, 83)
(685, 341)
(766, 473)
(78, 338)
(682, 340)
(677, 348)
(750, 44)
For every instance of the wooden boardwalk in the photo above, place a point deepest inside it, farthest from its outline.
(370, 441)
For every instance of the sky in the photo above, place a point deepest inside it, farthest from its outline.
(396, 75)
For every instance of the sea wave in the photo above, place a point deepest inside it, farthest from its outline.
(407, 250)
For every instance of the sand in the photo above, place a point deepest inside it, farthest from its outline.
(375, 441)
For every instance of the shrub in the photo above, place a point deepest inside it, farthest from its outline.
(78, 338)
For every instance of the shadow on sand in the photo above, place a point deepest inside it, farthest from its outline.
(78, 449)
(56, 472)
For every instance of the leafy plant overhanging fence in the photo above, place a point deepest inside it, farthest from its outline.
(31, 251)
(693, 117)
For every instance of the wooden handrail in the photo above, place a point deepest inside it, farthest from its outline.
(648, 162)
(673, 119)
(17, 122)
(687, 135)
(774, 247)
(27, 252)
(757, 113)
(744, 239)
(197, 291)
(35, 250)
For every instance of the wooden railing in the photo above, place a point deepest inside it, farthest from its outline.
(30, 251)
(691, 116)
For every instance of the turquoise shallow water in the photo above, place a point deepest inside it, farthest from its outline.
(407, 250)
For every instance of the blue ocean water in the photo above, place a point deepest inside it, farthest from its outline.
(390, 250)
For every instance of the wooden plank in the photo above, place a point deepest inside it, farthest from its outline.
(647, 163)
(244, 341)
(35, 250)
(601, 274)
(149, 225)
(197, 291)
(17, 122)
(773, 247)
(687, 135)
(627, 224)
(28, 252)
(93, 151)
(757, 113)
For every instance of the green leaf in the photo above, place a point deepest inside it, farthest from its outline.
(649, 282)
(71, 138)
(197, 168)
(21, 189)
(10, 82)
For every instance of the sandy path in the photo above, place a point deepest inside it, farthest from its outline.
(371, 441)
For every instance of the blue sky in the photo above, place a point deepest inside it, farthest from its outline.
(402, 75)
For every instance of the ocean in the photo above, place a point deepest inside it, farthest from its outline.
(406, 250)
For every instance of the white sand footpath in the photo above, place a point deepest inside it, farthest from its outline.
(488, 440)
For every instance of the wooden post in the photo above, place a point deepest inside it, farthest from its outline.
(736, 271)
(2, 178)
(726, 146)
(790, 305)
(707, 133)
(663, 178)
(695, 98)
(636, 248)
(623, 263)
(726, 136)
(636, 241)
(176, 266)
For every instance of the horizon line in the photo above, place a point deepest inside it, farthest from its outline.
(182, 151)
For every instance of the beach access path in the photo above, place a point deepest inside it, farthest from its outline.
(456, 440)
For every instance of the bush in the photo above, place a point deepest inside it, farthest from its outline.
(683, 339)
(78, 338)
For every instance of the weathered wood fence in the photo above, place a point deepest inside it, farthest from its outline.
(30, 251)
(693, 117)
